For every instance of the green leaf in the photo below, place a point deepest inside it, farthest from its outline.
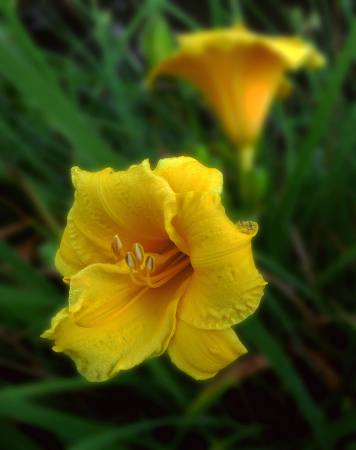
(166, 380)
(108, 437)
(255, 332)
(216, 13)
(336, 267)
(156, 40)
(24, 305)
(13, 439)
(90, 149)
(67, 426)
(43, 388)
(27, 274)
(179, 14)
(317, 129)
(285, 275)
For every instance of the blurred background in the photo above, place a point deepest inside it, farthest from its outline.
(73, 92)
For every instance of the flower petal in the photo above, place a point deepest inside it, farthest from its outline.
(186, 174)
(239, 72)
(67, 260)
(140, 331)
(239, 85)
(294, 52)
(225, 287)
(131, 204)
(99, 292)
(202, 353)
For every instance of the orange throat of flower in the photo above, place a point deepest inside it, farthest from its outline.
(142, 265)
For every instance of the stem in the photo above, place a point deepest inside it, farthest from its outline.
(246, 156)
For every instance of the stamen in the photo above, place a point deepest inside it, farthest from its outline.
(174, 262)
(135, 280)
(131, 261)
(138, 251)
(117, 248)
(175, 269)
(137, 261)
(171, 252)
(140, 274)
(173, 272)
(150, 264)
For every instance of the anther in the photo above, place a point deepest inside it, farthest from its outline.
(138, 251)
(117, 248)
(131, 261)
(150, 264)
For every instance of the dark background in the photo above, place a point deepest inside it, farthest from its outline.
(72, 92)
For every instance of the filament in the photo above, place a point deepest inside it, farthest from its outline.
(164, 280)
(142, 265)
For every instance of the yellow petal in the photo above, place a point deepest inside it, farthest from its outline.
(140, 331)
(293, 51)
(239, 72)
(239, 85)
(131, 204)
(202, 353)
(186, 174)
(225, 287)
(67, 260)
(99, 292)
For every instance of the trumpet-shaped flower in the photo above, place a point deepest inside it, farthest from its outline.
(239, 73)
(153, 264)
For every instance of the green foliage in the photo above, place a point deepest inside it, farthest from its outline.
(83, 101)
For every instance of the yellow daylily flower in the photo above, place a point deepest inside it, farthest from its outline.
(153, 264)
(239, 72)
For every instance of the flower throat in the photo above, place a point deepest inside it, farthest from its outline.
(142, 264)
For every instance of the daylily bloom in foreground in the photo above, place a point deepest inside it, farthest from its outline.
(239, 73)
(153, 264)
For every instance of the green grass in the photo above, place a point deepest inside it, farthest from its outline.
(86, 103)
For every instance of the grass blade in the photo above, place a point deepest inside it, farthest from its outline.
(318, 128)
(335, 268)
(255, 331)
(90, 149)
(26, 273)
(67, 426)
(108, 437)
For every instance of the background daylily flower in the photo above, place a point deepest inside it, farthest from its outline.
(239, 73)
(153, 264)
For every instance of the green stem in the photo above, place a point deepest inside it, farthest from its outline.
(236, 11)
(245, 156)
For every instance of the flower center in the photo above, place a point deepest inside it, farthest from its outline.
(142, 264)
